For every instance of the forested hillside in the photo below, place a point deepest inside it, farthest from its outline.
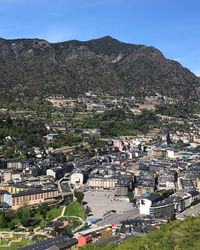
(36, 68)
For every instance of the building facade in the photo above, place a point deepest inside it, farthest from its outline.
(30, 197)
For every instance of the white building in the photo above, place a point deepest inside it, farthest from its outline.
(76, 179)
(170, 184)
(172, 154)
(146, 203)
(51, 172)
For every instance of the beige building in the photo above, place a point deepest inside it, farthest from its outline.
(57, 100)
(16, 164)
(118, 143)
(102, 183)
(11, 188)
(9, 175)
(196, 138)
(30, 197)
(143, 190)
(159, 152)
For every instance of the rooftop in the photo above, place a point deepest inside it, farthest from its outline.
(33, 191)
(51, 242)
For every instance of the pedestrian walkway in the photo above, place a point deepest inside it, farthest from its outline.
(61, 215)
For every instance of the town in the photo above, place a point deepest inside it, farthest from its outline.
(96, 169)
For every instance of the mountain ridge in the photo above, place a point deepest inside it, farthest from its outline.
(35, 67)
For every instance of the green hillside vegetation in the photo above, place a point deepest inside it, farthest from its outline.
(27, 133)
(36, 68)
(179, 235)
(110, 46)
(119, 122)
(180, 110)
(30, 133)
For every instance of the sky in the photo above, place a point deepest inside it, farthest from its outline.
(172, 26)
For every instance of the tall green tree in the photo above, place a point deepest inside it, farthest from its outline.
(79, 196)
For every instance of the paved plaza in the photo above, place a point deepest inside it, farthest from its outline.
(102, 201)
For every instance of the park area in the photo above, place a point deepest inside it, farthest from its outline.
(28, 219)
(11, 240)
(50, 214)
(75, 209)
(18, 227)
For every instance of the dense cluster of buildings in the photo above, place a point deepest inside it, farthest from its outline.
(118, 166)
(163, 186)
(26, 182)
(162, 176)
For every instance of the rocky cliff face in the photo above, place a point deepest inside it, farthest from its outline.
(33, 67)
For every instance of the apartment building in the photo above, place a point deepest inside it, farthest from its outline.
(29, 197)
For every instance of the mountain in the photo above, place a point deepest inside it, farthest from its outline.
(34, 67)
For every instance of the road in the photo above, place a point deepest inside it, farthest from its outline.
(117, 218)
(189, 212)
(61, 215)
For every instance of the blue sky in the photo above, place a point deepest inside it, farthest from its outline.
(173, 26)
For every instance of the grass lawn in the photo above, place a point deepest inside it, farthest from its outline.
(75, 209)
(5, 229)
(5, 241)
(54, 212)
(16, 245)
(68, 218)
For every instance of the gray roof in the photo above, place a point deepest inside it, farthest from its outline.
(51, 242)
(153, 198)
(107, 240)
(33, 191)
